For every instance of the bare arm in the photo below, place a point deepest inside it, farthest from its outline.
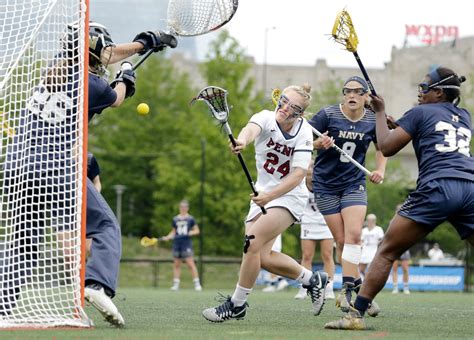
(97, 183)
(120, 89)
(388, 141)
(195, 230)
(380, 162)
(246, 136)
(170, 235)
(114, 54)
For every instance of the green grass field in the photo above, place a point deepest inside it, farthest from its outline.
(161, 314)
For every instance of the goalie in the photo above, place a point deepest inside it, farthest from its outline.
(102, 226)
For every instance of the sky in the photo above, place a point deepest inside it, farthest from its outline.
(298, 31)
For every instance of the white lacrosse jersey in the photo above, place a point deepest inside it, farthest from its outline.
(370, 242)
(274, 151)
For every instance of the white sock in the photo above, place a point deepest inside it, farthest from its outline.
(176, 282)
(196, 281)
(240, 295)
(304, 276)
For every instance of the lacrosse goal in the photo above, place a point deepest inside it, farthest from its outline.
(43, 86)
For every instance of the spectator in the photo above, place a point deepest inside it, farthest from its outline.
(371, 237)
(435, 253)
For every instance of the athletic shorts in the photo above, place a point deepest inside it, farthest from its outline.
(368, 254)
(277, 244)
(443, 199)
(315, 231)
(333, 203)
(405, 256)
(294, 204)
(182, 251)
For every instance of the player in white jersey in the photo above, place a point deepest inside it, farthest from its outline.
(314, 229)
(371, 237)
(283, 146)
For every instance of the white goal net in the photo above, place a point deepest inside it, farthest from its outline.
(42, 90)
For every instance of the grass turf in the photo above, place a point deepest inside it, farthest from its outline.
(161, 314)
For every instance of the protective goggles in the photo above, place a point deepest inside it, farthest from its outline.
(360, 91)
(425, 87)
(285, 101)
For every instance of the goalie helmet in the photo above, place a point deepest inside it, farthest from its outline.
(99, 38)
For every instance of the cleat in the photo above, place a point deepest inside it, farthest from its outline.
(343, 300)
(174, 288)
(330, 291)
(406, 291)
(395, 291)
(198, 288)
(282, 284)
(95, 295)
(316, 290)
(373, 309)
(225, 311)
(269, 289)
(301, 295)
(352, 320)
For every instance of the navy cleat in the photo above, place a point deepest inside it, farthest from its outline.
(225, 311)
(316, 289)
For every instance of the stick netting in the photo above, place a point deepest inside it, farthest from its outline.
(190, 17)
(343, 32)
(42, 53)
(216, 100)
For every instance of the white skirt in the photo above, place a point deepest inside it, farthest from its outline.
(315, 231)
(294, 204)
(368, 254)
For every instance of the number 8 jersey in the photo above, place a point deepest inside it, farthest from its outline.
(332, 171)
(274, 151)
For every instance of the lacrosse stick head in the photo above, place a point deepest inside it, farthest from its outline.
(343, 31)
(190, 17)
(216, 99)
(148, 241)
(276, 93)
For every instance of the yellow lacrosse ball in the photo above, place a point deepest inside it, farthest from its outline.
(143, 109)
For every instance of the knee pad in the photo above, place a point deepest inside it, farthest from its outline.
(247, 242)
(352, 253)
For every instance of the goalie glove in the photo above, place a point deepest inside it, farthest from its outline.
(126, 75)
(155, 41)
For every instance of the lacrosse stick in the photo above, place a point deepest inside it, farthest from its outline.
(150, 241)
(343, 32)
(5, 127)
(216, 100)
(276, 96)
(189, 18)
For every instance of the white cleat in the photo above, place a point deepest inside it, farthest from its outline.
(174, 288)
(282, 284)
(269, 289)
(198, 288)
(329, 294)
(301, 295)
(103, 303)
(406, 291)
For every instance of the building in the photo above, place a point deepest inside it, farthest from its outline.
(397, 82)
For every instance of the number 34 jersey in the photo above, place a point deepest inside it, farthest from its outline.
(332, 171)
(275, 150)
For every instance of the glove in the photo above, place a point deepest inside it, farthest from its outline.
(127, 76)
(155, 41)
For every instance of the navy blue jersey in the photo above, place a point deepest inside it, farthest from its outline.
(101, 95)
(182, 226)
(332, 171)
(93, 169)
(441, 134)
(47, 131)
